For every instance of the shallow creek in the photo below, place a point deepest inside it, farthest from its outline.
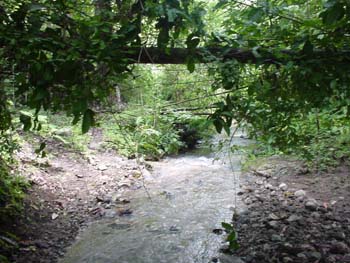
(191, 195)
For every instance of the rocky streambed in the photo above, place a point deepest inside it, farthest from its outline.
(294, 215)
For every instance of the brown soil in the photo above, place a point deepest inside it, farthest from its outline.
(68, 191)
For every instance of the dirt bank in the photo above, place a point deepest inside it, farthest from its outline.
(69, 190)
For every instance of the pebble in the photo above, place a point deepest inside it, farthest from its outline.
(269, 186)
(276, 238)
(302, 256)
(259, 182)
(300, 193)
(283, 187)
(339, 248)
(314, 256)
(287, 260)
(102, 167)
(293, 218)
(311, 204)
(273, 224)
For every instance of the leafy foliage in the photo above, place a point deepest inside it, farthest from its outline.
(11, 192)
(289, 105)
(231, 236)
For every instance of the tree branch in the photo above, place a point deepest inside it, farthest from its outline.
(156, 55)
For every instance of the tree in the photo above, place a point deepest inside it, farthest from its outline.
(63, 55)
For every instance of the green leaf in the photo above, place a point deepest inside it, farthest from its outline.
(228, 227)
(172, 14)
(221, 4)
(232, 236)
(88, 120)
(333, 14)
(191, 66)
(219, 124)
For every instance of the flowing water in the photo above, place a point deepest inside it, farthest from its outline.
(190, 196)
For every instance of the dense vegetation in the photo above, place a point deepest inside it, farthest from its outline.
(279, 69)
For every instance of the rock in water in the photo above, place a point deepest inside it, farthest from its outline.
(300, 193)
(283, 187)
(311, 204)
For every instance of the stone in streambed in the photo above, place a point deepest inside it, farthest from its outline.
(311, 204)
(283, 187)
(339, 248)
(300, 193)
(293, 218)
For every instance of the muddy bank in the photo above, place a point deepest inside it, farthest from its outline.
(294, 215)
(68, 190)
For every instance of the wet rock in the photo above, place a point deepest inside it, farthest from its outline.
(338, 235)
(283, 187)
(302, 257)
(311, 205)
(293, 218)
(276, 238)
(54, 216)
(259, 182)
(272, 216)
(269, 187)
(300, 193)
(273, 193)
(315, 215)
(273, 224)
(339, 248)
(260, 198)
(248, 201)
(264, 173)
(287, 260)
(314, 256)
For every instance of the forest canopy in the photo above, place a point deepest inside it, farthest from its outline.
(278, 60)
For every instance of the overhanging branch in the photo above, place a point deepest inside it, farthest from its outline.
(154, 55)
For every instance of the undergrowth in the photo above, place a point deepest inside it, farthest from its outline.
(151, 135)
(321, 138)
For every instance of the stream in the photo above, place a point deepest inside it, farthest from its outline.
(190, 195)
